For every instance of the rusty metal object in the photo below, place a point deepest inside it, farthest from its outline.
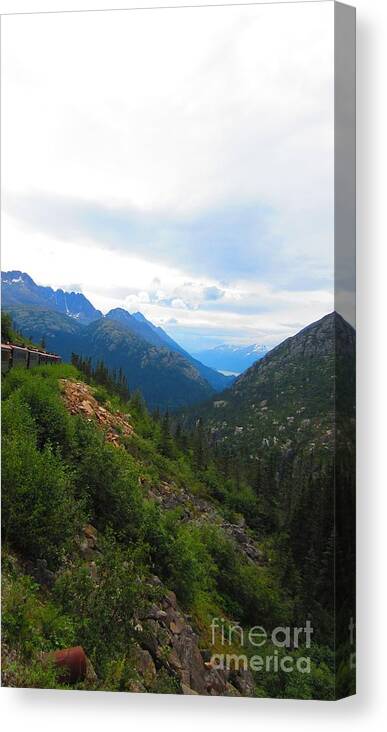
(73, 664)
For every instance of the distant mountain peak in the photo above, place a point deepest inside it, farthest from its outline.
(18, 288)
(231, 357)
(15, 276)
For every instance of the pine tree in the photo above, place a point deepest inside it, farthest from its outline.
(166, 442)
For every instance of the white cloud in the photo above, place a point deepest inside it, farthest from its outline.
(175, 115)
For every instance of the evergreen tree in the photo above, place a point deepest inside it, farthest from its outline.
(166, 442)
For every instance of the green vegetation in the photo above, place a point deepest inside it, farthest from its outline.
(167, 379)
(9, 334)
(60, 472)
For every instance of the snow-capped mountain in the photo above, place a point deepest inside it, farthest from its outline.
(18, 288)
(232, 358)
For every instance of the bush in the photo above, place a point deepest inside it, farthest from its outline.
(39, 514)
(29, 625)
(17, 419)
(103, 609)
(191, 568)
(53, 422)
(101, 394)
(177, 553)
(7, 331)
(249, 592)
(108, 479)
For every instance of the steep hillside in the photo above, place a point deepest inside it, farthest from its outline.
(133, 538)
(61, 334)
(142, 327)
(166, 379)
(287, 429)
(118, 551)
(287, 399)
(18, 288)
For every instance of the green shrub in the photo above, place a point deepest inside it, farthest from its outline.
(164, 683)
(101, 394)
(16, 418)
(40, 516)
(191, 567)
(32, 674)
(29, 625)
(103, 608)
(14, 380)
(249, 592)
(108, 479)
(177, 553)
(52, 420)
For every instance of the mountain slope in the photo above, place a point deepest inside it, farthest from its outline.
(232, 358)
(138, 324)
(62, 335)
(288, 397)
(18, 288)
(166, 379)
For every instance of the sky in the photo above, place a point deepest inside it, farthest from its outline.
(177, 162)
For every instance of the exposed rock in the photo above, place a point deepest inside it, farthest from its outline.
(136, 687)
(90, 676)
(230, 690)
(243, 681)
(80, 400)
(177, 626)
(144, 664)
(188, 652)
(170, 599)
(216, 682)
(90, 533)
(187, 690)
(155, 613)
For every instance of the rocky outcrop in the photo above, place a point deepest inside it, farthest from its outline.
(169, 639)
(80, 400)
(171, 496)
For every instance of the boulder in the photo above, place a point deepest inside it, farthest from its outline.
(191, 660)
(135, 687)
(144, 664)
(187, 690)
(243, 681)
(177, 626)
(231, 690)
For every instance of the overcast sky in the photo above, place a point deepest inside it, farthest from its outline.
(177, 162)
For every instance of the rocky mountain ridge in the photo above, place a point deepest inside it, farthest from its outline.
(287, 399)
(18, 288)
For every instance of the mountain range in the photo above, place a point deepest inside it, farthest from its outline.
(18, 288)
(167, 376)
(138, 324)
(231, 358)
